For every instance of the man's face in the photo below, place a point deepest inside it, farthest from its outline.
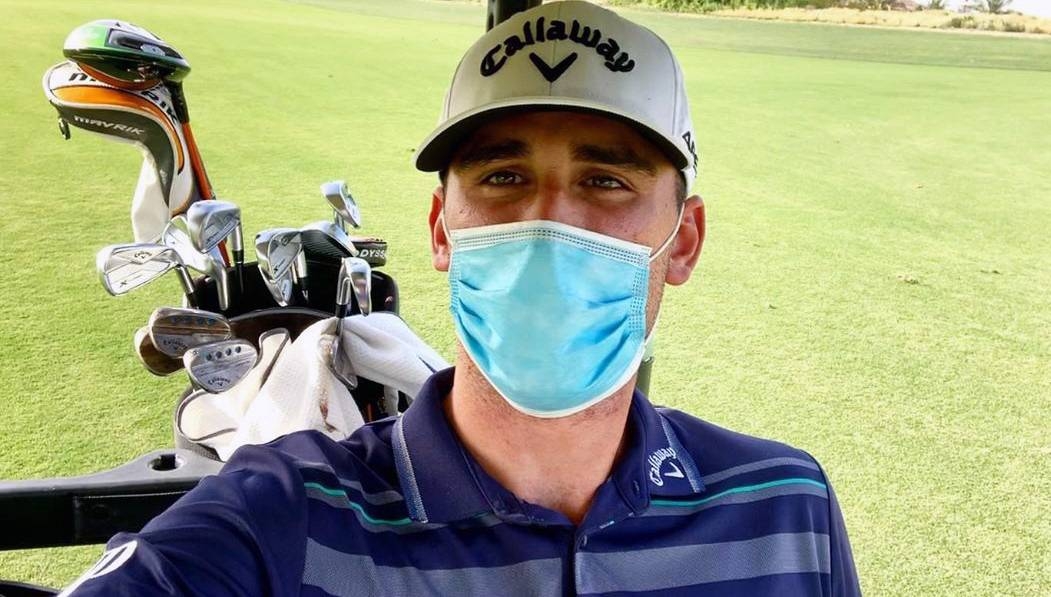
(579, 169)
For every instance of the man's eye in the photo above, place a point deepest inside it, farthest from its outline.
(604, 182)
(502, 178)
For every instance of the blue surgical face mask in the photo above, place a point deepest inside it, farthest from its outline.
(553, 316)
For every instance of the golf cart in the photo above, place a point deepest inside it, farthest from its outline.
(92, 508)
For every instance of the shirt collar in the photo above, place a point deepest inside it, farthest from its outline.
(440, 486)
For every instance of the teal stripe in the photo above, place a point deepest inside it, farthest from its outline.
(742, 489)
(343, 494)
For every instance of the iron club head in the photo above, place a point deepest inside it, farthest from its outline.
(338, 196)
(210, 263)
(125, 267)
(276, 250)
(355, 276)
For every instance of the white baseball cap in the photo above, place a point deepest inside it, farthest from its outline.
(569, 55)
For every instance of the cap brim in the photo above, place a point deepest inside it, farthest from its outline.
(438, 148)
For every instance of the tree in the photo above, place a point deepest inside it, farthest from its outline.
(996, 6)
(936, 5)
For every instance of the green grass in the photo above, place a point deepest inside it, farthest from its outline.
(874, 288)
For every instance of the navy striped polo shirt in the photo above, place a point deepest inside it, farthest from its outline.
(401, 508)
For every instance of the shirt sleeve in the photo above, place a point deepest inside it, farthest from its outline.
(844, 576)
(236, 533)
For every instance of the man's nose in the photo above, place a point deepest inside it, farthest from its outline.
(554, 200)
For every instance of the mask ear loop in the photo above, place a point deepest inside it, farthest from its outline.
(647, 343)
(671, 237)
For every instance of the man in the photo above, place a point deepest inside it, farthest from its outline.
(565, 154)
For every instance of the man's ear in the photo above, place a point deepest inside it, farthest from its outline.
(686, 248)
(439, 242)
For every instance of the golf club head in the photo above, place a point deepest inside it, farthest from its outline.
(208, 223)
(355, 277)
(211, 264)
(338, 196)
(125, 267)
(280, 289)
(276, 250)
(175, 330)
(124, 53)
(325, 240)
(218, 366)
(155, 361)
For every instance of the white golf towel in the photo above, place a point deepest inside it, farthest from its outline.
(292, 388)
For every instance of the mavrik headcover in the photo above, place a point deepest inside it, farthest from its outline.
(142, 117)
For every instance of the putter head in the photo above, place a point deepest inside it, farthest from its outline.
(125, 267)
(338, 196)
(174, 330)
(208, 223)
(218, 366)
(155, 361)
(276, 250)
(124, 53)
(355, 277)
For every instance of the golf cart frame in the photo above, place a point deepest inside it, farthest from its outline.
(90, 509)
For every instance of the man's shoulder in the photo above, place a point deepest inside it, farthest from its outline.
(720, 451)
(364, 459)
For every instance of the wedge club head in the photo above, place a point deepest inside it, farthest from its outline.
(346, 209)
(218, 366)
(175, 330)
(125, 267)
(155, 361)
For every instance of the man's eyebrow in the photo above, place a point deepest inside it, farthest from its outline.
(484, 153)
(615, 155)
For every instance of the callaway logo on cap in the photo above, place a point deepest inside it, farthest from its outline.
(572, 55)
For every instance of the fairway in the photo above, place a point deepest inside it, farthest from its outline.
(875, 287)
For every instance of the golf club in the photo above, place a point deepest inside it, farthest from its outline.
(208, 223)
(125, 267)
(155, 361)
(211, 264)
(360, 276)
(218, 366)
(346, 209)
(327, 241)
(130, 57)
(175, 330)
(341, 368)
(300, 273)
(277, 250)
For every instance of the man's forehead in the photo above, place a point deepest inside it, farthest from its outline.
(587, 137)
